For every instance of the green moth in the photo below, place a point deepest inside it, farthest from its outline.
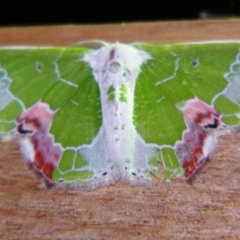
(91, 117)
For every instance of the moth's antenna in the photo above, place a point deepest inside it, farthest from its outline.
(90, 44)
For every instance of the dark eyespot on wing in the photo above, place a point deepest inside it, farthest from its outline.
(195, 63)
(22, 130)
(213, 125)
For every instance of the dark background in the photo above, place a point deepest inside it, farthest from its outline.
(41, 12)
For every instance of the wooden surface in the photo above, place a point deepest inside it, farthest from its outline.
(207, 209)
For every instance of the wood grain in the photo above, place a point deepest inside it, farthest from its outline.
(207, 209)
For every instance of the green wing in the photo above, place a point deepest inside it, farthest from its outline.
(175, 74)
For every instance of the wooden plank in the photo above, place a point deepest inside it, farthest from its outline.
(207, 209)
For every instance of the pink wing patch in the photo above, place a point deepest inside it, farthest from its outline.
(34, 118)
(199, 113)
(199, 140)
(38, 146)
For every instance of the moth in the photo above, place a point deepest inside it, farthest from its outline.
(87, 117)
